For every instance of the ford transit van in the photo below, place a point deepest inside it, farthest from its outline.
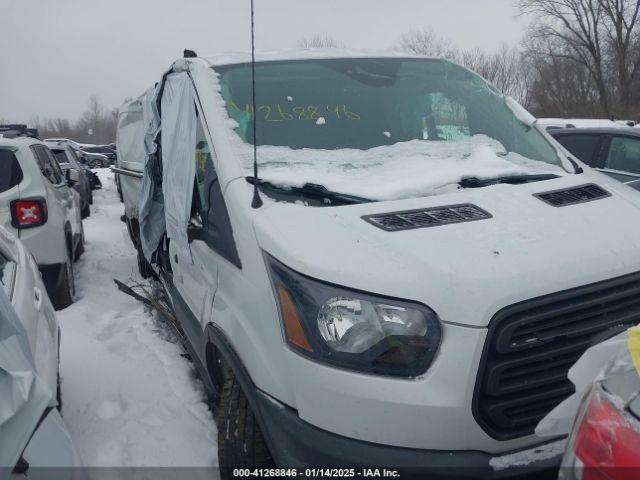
(379, 260)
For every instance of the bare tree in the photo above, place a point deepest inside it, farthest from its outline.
(623, 39)
(95, 125)
(427, 42)
(319, 40)
(602, 36)
(502, 68)
(577, 24)
(560, 87)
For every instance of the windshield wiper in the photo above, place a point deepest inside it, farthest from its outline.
(475, 182)
(311, 190)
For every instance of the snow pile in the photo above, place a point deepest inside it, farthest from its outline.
(525, 458)
(403, 170)
(129, 397)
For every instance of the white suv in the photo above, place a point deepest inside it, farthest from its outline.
(37, 205)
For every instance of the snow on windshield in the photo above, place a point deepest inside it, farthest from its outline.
(391, 172)
(378, 128)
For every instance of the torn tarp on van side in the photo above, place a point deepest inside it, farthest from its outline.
(178, 155)
(167, 184)
(24, 396)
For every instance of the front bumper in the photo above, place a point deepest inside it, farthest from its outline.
(295, 443)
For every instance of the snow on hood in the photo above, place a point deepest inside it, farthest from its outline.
(391, 172)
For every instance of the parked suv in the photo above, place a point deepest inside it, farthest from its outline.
(39, 207)
(615, 151)
(73, 171)
(400, 273)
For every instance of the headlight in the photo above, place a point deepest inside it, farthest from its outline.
(354, 330)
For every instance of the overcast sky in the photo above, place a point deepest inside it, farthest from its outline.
(54, 54)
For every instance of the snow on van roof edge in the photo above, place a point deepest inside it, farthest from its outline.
(304, 54)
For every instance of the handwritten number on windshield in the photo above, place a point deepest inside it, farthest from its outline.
(280, 113)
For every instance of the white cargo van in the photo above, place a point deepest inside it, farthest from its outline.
(417, 269)
(129, 168)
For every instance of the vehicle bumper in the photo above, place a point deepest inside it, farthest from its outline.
(300, 444)
(52, 276)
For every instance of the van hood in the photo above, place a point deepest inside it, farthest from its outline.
(466, 272)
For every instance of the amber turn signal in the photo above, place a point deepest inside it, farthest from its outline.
(293, 327)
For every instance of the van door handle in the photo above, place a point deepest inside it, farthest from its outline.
(37, 296)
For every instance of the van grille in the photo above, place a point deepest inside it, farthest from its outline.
(427, 217)
(571, 196)
(530, 347)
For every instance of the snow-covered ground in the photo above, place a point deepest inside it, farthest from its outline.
(129, 397)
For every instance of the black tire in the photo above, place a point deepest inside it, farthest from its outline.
(119, 186)
(59, 382)
(240, 441)
(80, 249)
(63, 296)
(59, 393)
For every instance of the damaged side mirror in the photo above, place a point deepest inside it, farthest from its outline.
(70, 181)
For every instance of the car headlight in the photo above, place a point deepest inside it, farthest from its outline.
(352, 329)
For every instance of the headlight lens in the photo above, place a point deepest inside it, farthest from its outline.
(354, 330)
(354, 326)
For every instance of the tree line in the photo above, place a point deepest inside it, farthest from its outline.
(96, 124)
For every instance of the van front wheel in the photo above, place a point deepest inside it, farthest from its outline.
(240, 441)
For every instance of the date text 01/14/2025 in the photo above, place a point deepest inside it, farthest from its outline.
(316, 472)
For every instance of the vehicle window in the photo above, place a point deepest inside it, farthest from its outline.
(55, 166)
(7, 271)
(61, 156)
(11, 171)
(624, 155)
(203, 162)
(46, 165)
(582, 146)
(72, 154)
(333, 104)
(208, 201)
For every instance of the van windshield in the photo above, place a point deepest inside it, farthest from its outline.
(321, 121)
